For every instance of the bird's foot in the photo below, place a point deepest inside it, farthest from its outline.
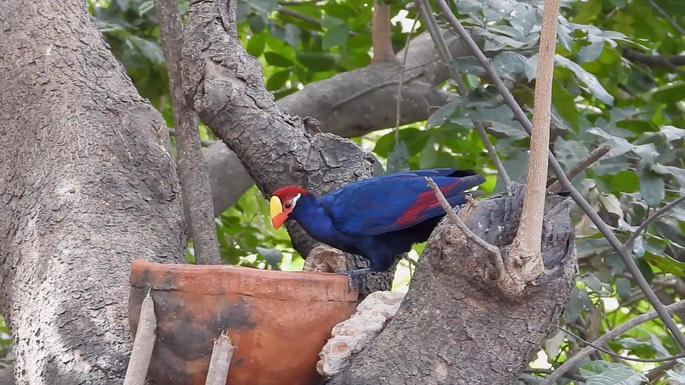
(353, 276)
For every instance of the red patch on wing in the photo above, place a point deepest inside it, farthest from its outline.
(426, 200)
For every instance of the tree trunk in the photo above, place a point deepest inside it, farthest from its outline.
(455, 326)
(87, 184)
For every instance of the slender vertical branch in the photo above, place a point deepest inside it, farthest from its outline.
(380, 33)
(192, 166)
(528, 241)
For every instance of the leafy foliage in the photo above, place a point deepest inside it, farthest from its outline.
(600, 96)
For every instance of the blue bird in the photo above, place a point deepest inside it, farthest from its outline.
(378, 218)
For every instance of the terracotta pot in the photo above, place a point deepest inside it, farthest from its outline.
(278, 321)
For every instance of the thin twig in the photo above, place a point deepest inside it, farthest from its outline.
(570, 376)
(376, 87)
(655, 215)
(497, 257)
(299, 15)
(520, 115)
(447, 59)
(608, 336)
(582, 164)
(398, 115)
(659, 371)
(143, 344)
(220, 362)
(666, 16)
(619, 356)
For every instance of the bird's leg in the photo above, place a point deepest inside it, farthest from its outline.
(353, 276)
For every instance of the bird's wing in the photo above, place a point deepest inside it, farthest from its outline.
(393, 202)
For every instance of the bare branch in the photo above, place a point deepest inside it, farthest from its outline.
(380, 33)
(458, 222)
(527, 244)
(299, 15)
(652, 218)
(669, 61)
(220, 363)
(619, 356)
(520, 115)
(447, 59)
(143, 344)
(583, 164)
(581, 355)
(192, 166)
(666, 16)
(398, 104)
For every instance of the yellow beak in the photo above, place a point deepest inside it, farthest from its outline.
(276, 211)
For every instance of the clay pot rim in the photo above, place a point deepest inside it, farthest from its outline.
(220, 279)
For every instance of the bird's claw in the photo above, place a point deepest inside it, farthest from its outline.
(353, 276)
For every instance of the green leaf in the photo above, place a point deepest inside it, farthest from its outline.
(668, 93)
(591, 52)
(509, 65)
(272, 256)
(672, 133)
(277, 80)
(589, 79)
(151, 50)
(440, 116)
(623, 287)
(316, 61)
(277, 60)
(579, 301)
(335, 36)
(501, 120)
(652, 187)
(256, 44)
(263, 6)
(666, 263)
(429, 155)
(398, 160)
(617, 375)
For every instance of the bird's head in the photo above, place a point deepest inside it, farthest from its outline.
(283, 202)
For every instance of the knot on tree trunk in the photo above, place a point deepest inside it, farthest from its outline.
(496, 221)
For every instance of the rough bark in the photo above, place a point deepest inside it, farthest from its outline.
(224, 84)
(87, 184)
(374, 85)
(455, 326)
(192, 166)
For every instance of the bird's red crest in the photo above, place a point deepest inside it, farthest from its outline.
(288, 192)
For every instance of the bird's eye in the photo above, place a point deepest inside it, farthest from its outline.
(288, 204)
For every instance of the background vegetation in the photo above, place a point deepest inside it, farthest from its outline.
(618, 81)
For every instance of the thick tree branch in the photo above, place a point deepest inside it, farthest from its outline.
(520, 115)
(224, 84)
(192, 166)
